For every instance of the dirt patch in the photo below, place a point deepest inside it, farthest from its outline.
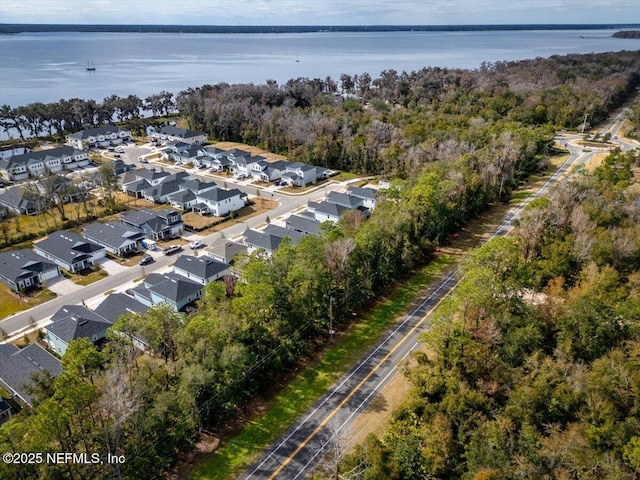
(272, 157)
(207, 444)
(378, 414)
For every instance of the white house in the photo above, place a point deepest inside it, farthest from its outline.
(170, 133)
(220, 202)
(98, 137)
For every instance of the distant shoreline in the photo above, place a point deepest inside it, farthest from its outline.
(11, 28)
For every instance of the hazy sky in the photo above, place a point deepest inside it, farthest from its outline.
(319, 12)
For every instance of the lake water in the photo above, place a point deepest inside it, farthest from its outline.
(46, 67)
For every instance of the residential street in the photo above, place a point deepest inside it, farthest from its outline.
(296, 452)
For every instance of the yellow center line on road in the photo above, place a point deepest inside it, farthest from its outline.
(357, 387)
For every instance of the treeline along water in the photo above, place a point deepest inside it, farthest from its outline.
(48, 66)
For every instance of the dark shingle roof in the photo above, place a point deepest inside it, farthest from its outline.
(294, 236)
(14, 197)
(171, 286)
(20, 264)
(77, 321)
(40, 156)
(303, 224)
(18, 365)
(150, 174)
(344, 199)
(94, 132)
(368, 193)
(118, 304)
(328, 208)
(68, 246)
(201, 267)
(113, 234)
(218, 195)
(262, 240)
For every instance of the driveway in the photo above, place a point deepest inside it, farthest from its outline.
(62, 286)
(111, 266)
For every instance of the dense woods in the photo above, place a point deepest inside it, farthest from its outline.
(532, 369)
(457, 141)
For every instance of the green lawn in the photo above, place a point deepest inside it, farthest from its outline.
(10, 302)
(86, 277)
(309, 385)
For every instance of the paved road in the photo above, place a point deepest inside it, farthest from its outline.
(20, 322)
(294, 454)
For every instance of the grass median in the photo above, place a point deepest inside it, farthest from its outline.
(238, 452)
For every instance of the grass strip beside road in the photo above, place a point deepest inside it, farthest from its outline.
(240, 451)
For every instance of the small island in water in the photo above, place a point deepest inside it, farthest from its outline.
(627, 34)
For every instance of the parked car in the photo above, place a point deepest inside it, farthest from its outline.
(172, 249)
(195, 245)
(117, 155)
(146, 260)
(144, 160)
(129, 292)
(111, 149)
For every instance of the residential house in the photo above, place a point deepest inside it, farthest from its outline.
(244, 166)
(256, 241)
(305, 225)
(326, 211)
(186, 198)
(72, 322)
(269, 172)
(98, 137)
(17, 367)
(170, 133)
(160, 193)
(169, 288)
(219, 202)
(156, 224)
(19, 200)
(345, 200)
(5, 411)
(70, 251)
(368, 196)
(118, 304)
(115, 237)
(295, 237)
(23, 269)
(137, 181)
(224, 250)
(119, 167)
(300, 174)
(202, 269)
(37, 164)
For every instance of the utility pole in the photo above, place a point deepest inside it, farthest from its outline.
(584, 123)
(331, 330)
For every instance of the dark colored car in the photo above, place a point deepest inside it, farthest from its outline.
(146, 260)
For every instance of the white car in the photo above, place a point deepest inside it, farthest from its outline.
(195, 245)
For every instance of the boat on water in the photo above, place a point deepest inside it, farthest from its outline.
(90, 67)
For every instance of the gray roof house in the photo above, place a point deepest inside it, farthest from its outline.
(115, 237)
(220, 202)
(344, 199)
(70, 251)
(368, 195)
(72, 322)
(160, 193)
(224, 250)
(156, 224)
(255, 240)
(170, 288)
(326, 211)
(18, 365)
(23, 269)
(305, 225)
(36, 164)
(203, 269)
(170, 133)
(118, 304)
(18, 201)
(98, 137)
(295, 237)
